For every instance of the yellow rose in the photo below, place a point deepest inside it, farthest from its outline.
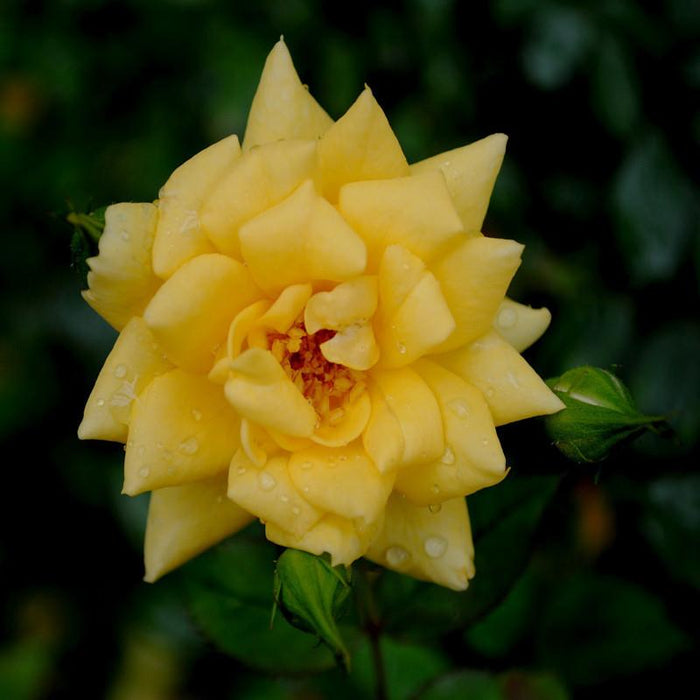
(315, 334)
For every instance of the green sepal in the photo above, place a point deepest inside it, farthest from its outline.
(87, 230)
(600, 413)
(311, 594)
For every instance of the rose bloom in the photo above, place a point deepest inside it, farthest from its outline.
(314, 333)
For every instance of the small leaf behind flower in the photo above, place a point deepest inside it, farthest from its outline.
(311, 594)
(600, 413)
(87, 230)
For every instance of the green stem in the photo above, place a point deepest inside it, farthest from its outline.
(87, 223)
(372, 626)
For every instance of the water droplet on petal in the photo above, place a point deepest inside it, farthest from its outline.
(435, 489)
(241, 470)
(197, 415)
(284, 498)
(507, 318)
(189, 446)
(125, 235)
(435, 507)
(484, 442)
(513, 380)
(401, 348)
(100, 402)
(459, 408)
(144, 472)
(395, 556)
(120, 371)
(296, 510)
(448, 456)
(307, 465)
(267, 481)
(435, 547)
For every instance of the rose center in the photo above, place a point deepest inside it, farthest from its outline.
(328, 386)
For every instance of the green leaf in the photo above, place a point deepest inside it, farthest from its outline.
(311, 594)
(505, 519)
(24, 669)
(230, 594)
(87, 230)
(599, 414)
(598, 628)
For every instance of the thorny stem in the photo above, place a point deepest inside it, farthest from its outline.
(372, 626)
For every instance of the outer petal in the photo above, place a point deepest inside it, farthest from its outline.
(435, 545)
(359, 146)
(182, 430)
(415, 211)
(413, 318)
(473, 458)
(179, 236)
(261, 391)
(474, 278)
(134, 361)
(185, 520)
(470, 173)
(121, 281)
(520, 325)
(343, 481)
(191, 312)
(303, 238)
(512, 389)
(261, 178)
(282, 107)
(345, 540)
(270, 495)
(415, 408)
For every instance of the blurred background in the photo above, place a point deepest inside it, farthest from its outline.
(100, 101)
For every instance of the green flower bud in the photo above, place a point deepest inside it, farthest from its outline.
(599, 414)
(311, 594)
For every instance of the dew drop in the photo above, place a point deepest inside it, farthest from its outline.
(197, 415)
(435, 489)
(343, 458)
(513, 380)
(284, 498)
(125, 235)
(189, 447)
(448, 456)
(296, 510)
(507, 318)
(395, 556)
(484, 442)
(401, 348)
(267, 481)
(240, 471)
(307, 465)
(435, 507)
(120, 371)
(100, 402)
(306, 489)
(435, 547)
(459, 408)
(144, 472)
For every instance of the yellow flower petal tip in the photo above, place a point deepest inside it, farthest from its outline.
(315, 334)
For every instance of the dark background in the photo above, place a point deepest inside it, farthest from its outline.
(100, 101)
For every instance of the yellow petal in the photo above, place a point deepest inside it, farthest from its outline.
(434, 545)
(473, 458)
(474, 278)
(359, 146)
(185, 520)
(259, 179)
(409, 326)
(354, 347)
(342, 425)
(416, 212)
(191, 312)
(121, 280)
(303, 238)
(270, 495)
(341, 480)
(179, 236)
(282, 107)
(256, 443)
(261, 391)
(345, 540)
(383, 439)
(347, 304)
(182, 430)
(512, 389)
(134, 361)
(414, 406)
(290, 303)
(520, 325)
(470, 173)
